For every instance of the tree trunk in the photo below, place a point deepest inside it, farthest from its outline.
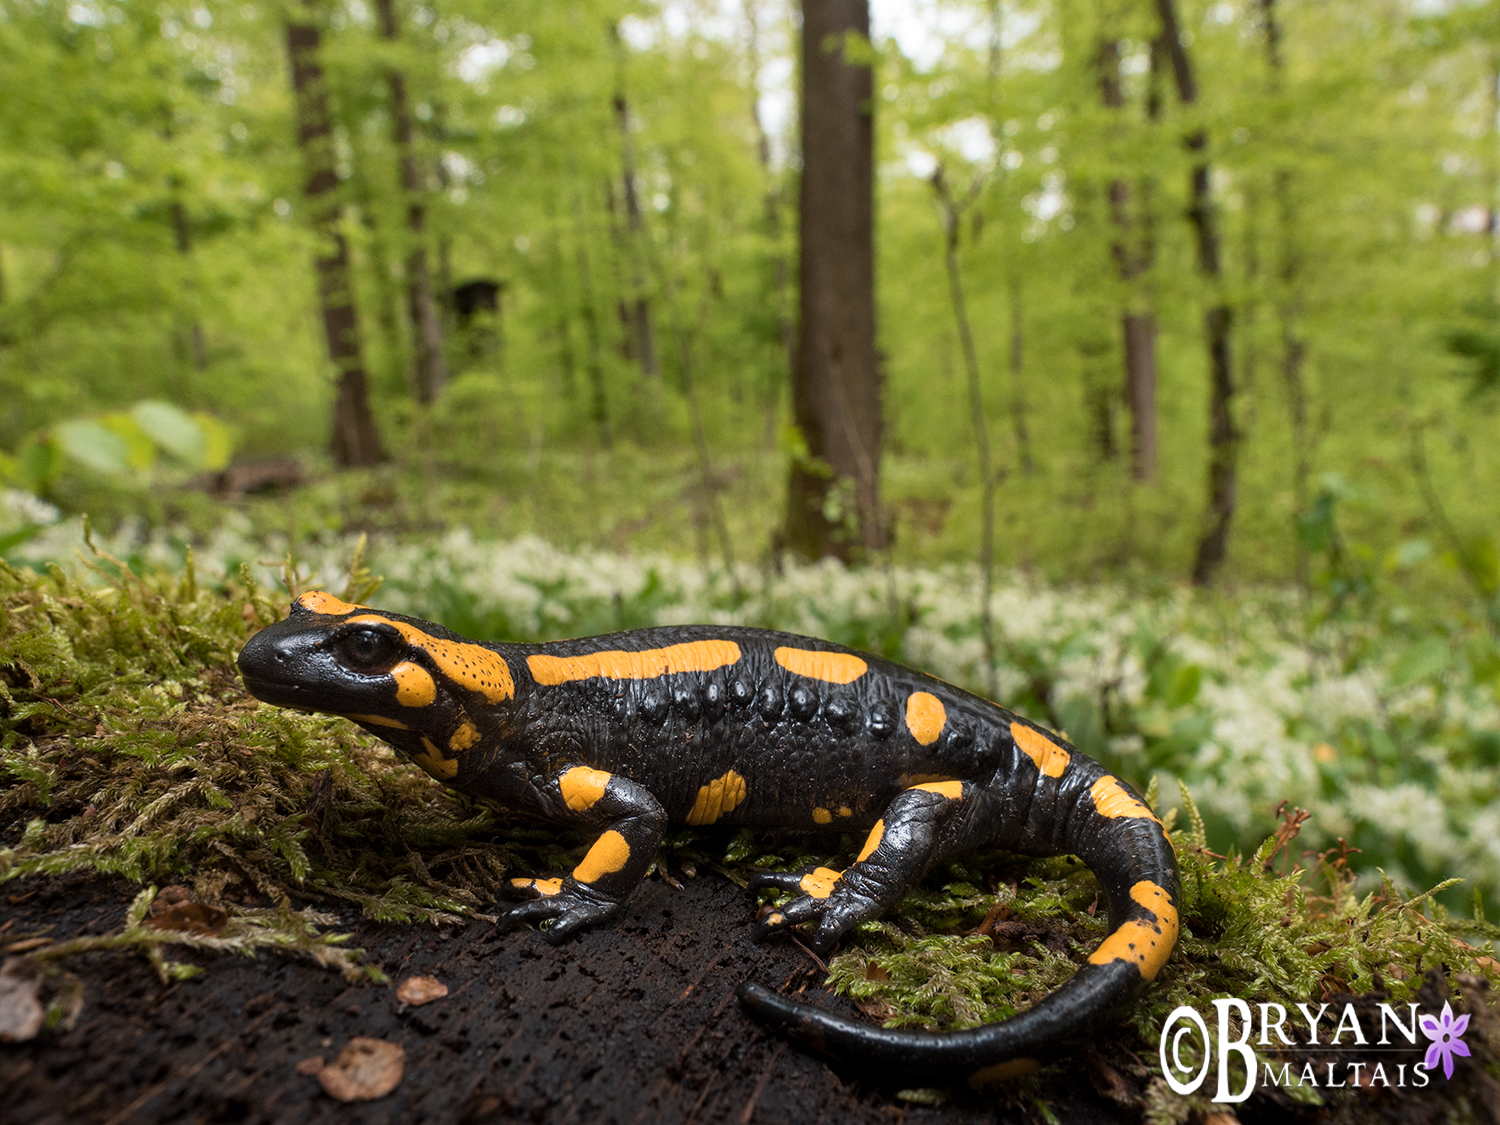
(387, 300)
(1017, 396)
(1289, 307)
(952, 217)
(599, 400)
(422, 307)
(636, 310)
(772, 203)
(1218, 321)
(833, 492)
(1134, 251)
(355, 440)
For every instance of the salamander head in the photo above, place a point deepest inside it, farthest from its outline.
(430, 693)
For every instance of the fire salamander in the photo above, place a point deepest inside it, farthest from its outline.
(708, 725)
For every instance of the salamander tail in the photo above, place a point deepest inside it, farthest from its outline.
(1113, 832)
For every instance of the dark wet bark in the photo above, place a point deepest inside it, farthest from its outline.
(833, 492)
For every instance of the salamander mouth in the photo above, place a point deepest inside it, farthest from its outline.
(276, 692)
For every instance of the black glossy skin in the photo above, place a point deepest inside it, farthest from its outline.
(807, 753)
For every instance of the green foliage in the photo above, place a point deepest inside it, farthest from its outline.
(124, 444)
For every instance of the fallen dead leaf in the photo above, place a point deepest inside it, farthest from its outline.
(310, 1066)
(21, 1013)
(417, 991)
(193, 918)
(176, 909)
(366, 1069)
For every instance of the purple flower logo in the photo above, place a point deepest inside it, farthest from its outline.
(1447, 1035)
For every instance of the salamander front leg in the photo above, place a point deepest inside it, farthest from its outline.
(923, 824)
(598, 887)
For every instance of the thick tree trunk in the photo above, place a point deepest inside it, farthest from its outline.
(355, 439)
(1134, 252)
(422, 307)
(1218, 321)
(833, 493)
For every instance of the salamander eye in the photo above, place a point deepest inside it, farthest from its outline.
(365, 650)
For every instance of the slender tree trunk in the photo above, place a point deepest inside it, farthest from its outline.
(183, 237)
(1017, 391)
(597, 396)
(637, 311)
(387, 300)
(422, 307)
(1289, 306)
(1134, 252)
(952, 217)
(1218, 320)
(780, 271)
(833, 501)
(708, 484)
(355, 439)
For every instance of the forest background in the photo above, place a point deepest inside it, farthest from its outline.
(1305, 234)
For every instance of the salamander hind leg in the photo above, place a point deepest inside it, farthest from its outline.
(923, 824)
(597, 888)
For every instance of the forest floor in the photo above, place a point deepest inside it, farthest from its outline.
(637, 1023)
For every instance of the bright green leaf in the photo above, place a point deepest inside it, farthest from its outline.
(93, 444)
(174, 430)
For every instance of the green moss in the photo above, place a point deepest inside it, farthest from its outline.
(128, 747)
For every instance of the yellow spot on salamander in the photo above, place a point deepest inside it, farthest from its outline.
(845, 810)
(872, 841)
(465, 736)
(379, 721)
(609, 854)
(822, 816)
(953, 790)
(692, 656)
(320, 601)
(1146, 945)
(1112, 799)
(414, 685)
(830, 667)
(819, 883)
(582, 787)
(925, 717)
(544, 887)
(433, 763)
(720, 796)
(775, 919)
(465, 664)
(1049, 757)
(999, 1072)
